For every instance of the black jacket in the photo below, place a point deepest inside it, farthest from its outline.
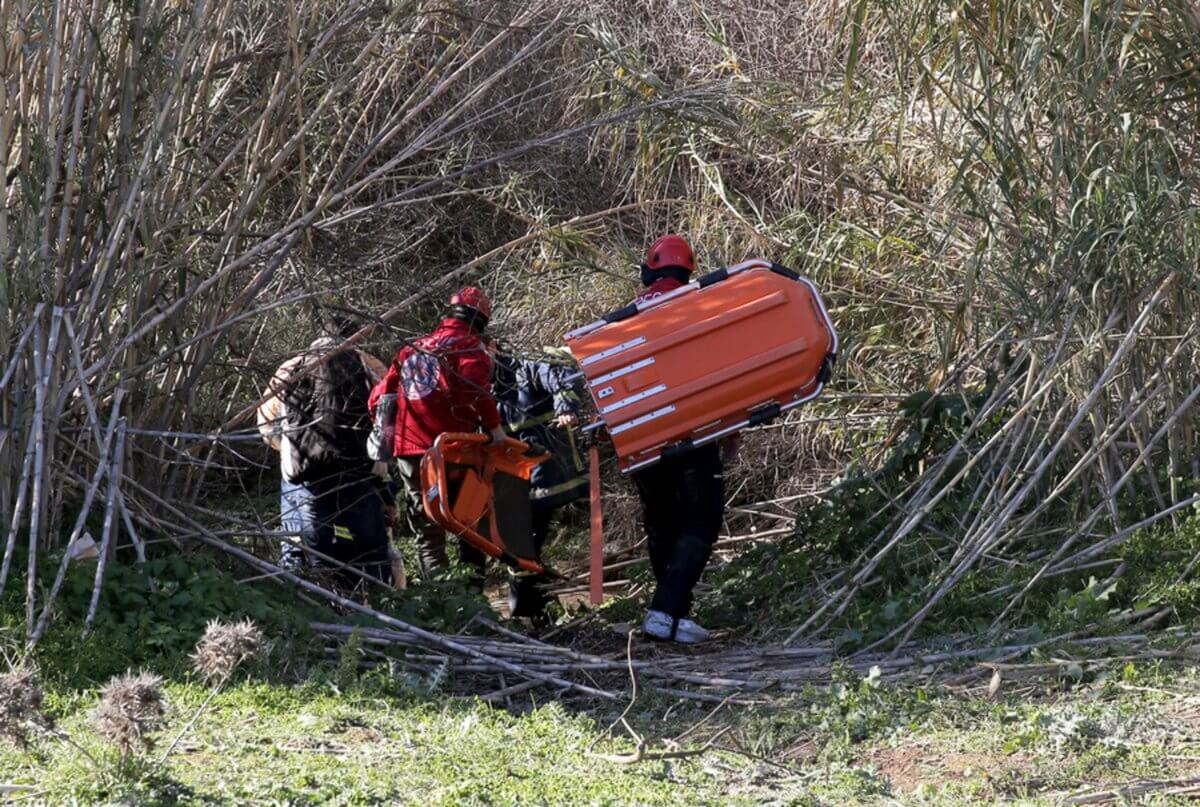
(531, 394)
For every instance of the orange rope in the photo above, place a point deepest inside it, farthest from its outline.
(596, 570)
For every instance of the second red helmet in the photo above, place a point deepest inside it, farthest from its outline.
(474, 298)
(671, 250)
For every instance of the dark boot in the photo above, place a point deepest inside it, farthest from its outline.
(527, 596)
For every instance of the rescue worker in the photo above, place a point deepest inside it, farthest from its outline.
(540, 404)
(442, 383)
(683, 496)
(332, 494)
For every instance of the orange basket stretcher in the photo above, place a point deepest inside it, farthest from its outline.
(732, 349)
(480, 492)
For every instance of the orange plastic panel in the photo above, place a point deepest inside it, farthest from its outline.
(457, 476)
(474, 498)
(705, 361)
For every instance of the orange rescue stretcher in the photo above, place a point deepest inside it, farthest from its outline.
(732, 349)
(480, 492)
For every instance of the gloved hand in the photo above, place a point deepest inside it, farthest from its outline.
(567, 420)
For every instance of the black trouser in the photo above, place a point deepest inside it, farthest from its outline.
(683, 503)
(431, 538)
(340, 517)
(526, 592)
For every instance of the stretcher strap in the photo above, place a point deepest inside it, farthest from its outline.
(596, 566)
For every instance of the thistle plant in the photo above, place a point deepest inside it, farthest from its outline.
(221, 650)
(131, 709)
(225, 647)
(21, 706)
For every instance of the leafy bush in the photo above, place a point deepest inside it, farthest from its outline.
(1162, 567)
(831, 533)
(150, 615)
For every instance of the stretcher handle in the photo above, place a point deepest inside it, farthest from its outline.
(468, 532)
(635, 308)
(511, 445)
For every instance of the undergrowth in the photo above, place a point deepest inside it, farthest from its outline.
(773, 587)
(150, 615)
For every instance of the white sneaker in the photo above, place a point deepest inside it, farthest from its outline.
(660, 625)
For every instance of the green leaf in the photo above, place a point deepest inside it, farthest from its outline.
(856, 27)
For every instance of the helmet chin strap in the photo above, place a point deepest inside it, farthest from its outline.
(473, 317)
(650, 275)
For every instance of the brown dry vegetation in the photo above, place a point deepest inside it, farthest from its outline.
(996, 200)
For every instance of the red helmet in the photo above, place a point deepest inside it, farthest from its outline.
(671, 250)
(473, 298)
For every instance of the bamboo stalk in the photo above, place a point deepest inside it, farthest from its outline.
(18, 509)
(104, 466)
(139, 546)
(110, 505)
(39, 467)
(22, 340)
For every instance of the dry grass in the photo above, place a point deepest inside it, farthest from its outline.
(193, 186)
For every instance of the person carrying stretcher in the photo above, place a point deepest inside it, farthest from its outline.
(683, 496)
(441, 382)
(540, 401)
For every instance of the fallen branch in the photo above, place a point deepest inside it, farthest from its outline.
(642, 755)
(1168, 787)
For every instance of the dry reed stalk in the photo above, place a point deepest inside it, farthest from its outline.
(446, 643)
(738, 669)
(11, 368)
(110, 505)
(38, 436)
(104, 466)
(18, 510)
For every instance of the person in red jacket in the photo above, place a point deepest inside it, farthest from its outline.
(442, 382)
(683, 497)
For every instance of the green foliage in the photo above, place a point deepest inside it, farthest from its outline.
(350, 655)
(1061, 730)
(859, 708)
(1087, 606)
(164, 605)
(835, 531)
(105, 776)
(443, 604)
(272, 743)
(770, 585)
(151, 615)
(1162, 567)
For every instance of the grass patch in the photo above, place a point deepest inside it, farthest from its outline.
(317, 744)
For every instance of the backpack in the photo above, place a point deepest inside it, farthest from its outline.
(327, 419)
(415, 374)
(381, 443)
